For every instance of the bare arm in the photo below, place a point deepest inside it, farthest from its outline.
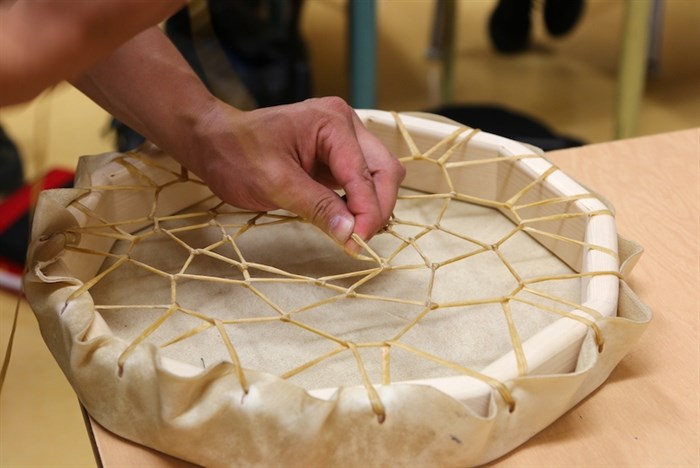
(286, 157)
(43, 42)
(281, 157)
(148, 85)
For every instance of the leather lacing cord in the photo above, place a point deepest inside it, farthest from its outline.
(220, 216)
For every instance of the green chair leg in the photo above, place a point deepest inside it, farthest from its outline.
(363, 54)
(633, 66)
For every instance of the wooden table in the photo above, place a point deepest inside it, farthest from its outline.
(647, 413)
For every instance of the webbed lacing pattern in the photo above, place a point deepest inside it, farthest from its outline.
(440, 155)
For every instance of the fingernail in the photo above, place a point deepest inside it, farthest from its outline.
(341, 228)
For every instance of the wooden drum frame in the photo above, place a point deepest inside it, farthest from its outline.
(492, 303)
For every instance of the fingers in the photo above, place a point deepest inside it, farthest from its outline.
(318, 204)
(339, 148)
(293, 156)
(386, 171)
(363, 167)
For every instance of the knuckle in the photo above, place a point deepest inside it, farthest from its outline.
(323, 209)
(335, 111)
(336, 104)
(365, 176)
(362, 183)
(398, 170)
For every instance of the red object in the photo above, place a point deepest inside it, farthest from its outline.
(10, 275)
(18, 204)
(13, 212)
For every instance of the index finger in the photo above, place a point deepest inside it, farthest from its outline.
(386, 171)
(343, 154)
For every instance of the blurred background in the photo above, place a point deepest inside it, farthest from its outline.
(567, 83)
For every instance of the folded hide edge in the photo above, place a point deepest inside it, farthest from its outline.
(209, 420)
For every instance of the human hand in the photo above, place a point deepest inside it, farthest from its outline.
(289, 157)
(293, 157)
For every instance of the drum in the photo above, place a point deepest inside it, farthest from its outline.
(492, 302)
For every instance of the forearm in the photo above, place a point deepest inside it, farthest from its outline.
(288, 157)
(148, 85)
(43, 42)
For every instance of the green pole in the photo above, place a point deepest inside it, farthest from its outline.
(363, 54)
(632, 74)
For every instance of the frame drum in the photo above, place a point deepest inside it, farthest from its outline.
(492, 302)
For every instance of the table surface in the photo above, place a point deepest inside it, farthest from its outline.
(648, 411)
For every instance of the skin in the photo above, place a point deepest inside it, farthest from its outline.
(43, 42)
(289, 157)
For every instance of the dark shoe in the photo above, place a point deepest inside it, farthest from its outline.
(509, 25)
(560, 16)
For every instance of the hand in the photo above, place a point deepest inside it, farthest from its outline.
(293, 157)
(289, 157)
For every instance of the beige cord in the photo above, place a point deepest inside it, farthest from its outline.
(374, 266)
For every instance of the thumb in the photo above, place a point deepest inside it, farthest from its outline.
(321, 206)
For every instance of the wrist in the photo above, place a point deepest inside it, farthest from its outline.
(210, 134)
